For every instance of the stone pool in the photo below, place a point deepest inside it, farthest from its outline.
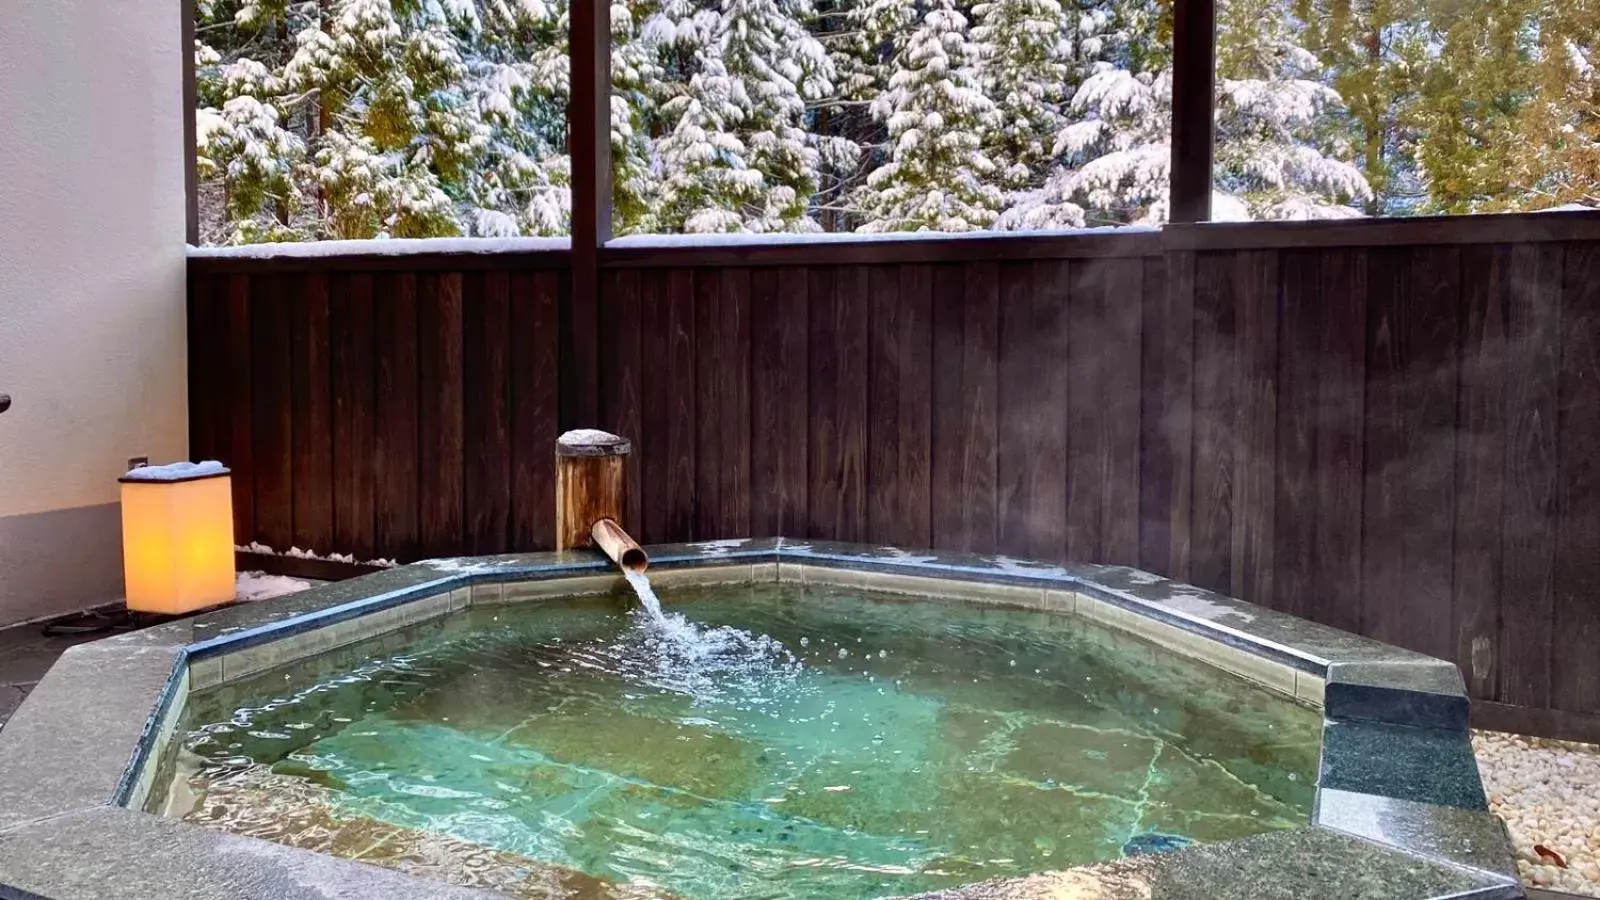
(806, 719)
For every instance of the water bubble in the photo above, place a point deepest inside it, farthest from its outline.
(843, 653)
(883, 654)
(1013, 664)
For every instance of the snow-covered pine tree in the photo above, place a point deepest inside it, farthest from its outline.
(1117, 156)
(738, 156)
(392, 117)
(1023, 48)
(636, 78)
(1275, 151)
(936, 176)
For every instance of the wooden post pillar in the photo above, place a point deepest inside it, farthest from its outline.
(589, 484)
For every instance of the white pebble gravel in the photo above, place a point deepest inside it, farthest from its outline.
(1548, 792)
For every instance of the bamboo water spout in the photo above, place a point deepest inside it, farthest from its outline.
(615, 543)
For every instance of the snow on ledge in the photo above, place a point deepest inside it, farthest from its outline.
(381, 247)
(745, 239)
(178, 471)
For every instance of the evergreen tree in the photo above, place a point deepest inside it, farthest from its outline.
(936, 176)
(363, 118)
(1274, 151)
(1023, 52)
(1562, 118)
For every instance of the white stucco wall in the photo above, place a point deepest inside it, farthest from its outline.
(91, 284)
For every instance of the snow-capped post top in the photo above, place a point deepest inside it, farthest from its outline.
(592, 442)
(175, 472)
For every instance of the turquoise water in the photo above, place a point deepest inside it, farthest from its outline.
(762, 741)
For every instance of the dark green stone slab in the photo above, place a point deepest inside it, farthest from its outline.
(1465, 837)
(1424, 765)
(1305, 864)
(1426, 693)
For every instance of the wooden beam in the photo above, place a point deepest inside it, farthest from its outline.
(589, 143)
(191, 177)
(1194, 57)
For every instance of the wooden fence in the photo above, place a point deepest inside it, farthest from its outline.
(1393, 428)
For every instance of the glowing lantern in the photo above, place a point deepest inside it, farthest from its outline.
(177, 537)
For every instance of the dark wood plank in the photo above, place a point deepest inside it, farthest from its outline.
(1523, 228)
(914, 418)
(708, 385)
(1575, 661)
(1030, 465)
(535, 401)
(395, 478)
(883, 407)
(669, 405)
(979, 431)
(208, 410)
(312, 425)
(1166, 414)
(1088, 336)
(295, 259)
(621, 323)
(1432, 335)
(644, 253)
(486, 366)
(1294, 515)
(1382, 599)
(966, 334)
(354, 418)
(1256, 432)
(1480, 467)
(1549, 723)
(239, 440)
(1527, 534)
(733, 415)
(1121, 377)
(824, 484)
(1336, 485)
(271, 379)
(948, 446)
(440, 414)
(1216, 411)
(779, 328)
(838, 399)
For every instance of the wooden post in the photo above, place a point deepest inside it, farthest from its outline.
(589, 147)
(589, 485)
(1194, 60)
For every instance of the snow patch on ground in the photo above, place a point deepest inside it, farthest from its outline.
(461, 565)
(906, 556)
(252, 586)
(720, 548)
(1139, 576)
(1548, 793)
(380, 247)
(1024, 567)
(178, 471)
(297, 553)
(1203, 606)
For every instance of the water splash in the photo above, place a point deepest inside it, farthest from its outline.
(647, 595)
(708, 664)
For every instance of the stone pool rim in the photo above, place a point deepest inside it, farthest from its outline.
(1398, 794)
